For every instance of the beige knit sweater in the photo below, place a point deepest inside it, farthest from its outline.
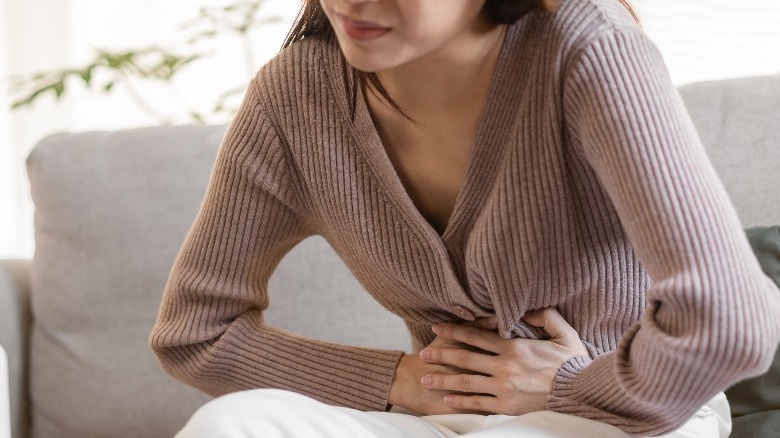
(588, 189)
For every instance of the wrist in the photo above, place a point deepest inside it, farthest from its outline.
(398, 387)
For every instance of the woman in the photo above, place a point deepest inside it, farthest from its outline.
(507, 176)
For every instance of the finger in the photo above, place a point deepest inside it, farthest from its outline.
(484, 339)
(552, 322)
(471, 383)
(488, 323)
(484, 403)
(485, 323)
(464, 359)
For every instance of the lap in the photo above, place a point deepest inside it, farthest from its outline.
(276, 413)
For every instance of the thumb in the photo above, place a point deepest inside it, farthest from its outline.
(552, 322)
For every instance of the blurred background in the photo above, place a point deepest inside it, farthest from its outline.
(700, 40)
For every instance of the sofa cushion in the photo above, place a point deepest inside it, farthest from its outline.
(755, 402)
(737, 122)
(110, 211)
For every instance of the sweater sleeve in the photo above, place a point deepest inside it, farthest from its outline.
(712, 315)
(210, 331)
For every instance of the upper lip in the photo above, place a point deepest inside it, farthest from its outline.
(361, 23)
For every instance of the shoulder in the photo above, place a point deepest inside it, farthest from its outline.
(294, 76)
(298, 57)
(578, 23)
(597, 34)
(589, 18)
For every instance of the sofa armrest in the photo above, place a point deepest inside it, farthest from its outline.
(15, 320)
(5, 417)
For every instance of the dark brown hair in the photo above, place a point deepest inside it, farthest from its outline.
(311, 21)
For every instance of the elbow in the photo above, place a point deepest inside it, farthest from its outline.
(750, 347)
(185, 362)
(759, 353)
(172, 357)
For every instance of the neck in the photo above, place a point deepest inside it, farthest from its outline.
(452, 76)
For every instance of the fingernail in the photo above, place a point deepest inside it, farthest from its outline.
(436, 329)
(447, 399)
(426, 354)
(427, 380)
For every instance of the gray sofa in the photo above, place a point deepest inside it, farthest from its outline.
(112, 208)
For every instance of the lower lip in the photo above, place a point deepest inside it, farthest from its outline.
(363, 33)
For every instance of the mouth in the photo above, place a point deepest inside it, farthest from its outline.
(361, 30)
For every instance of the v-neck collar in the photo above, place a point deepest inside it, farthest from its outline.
(490, 139)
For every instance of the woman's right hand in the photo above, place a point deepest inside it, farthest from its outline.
(407, 389)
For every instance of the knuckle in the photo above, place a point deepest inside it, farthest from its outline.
(463, 358)
(507, 369)
(506, 387)
(473, 335)
(520, 349)
(475, 402)
(465, 382)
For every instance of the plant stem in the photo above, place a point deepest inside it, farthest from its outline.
(133, 93)
(190, 109)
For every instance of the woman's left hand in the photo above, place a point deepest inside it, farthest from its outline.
(517, 379)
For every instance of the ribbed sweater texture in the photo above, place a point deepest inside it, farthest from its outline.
(588, 189)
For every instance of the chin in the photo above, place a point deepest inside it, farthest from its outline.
(368, 62)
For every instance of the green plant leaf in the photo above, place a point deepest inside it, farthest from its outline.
(153, 62)
(197, 117)
(59, 88)
(31, 98)
(86, 75)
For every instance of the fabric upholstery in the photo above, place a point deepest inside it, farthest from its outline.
(737, 121)
(14, 335)
(110, 209)
(330, 293)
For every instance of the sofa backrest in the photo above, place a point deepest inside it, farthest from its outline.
(738, 120)
(111, 211)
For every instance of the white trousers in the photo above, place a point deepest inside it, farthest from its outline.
(276, 413)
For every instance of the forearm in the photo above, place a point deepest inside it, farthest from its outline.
(711, 316)
(248, 354)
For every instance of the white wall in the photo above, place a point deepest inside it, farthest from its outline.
(42, 35)
(700, 40)
(714, 39)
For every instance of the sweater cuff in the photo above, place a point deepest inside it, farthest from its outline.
(564, 387)
(589, 388)
(341, 375)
